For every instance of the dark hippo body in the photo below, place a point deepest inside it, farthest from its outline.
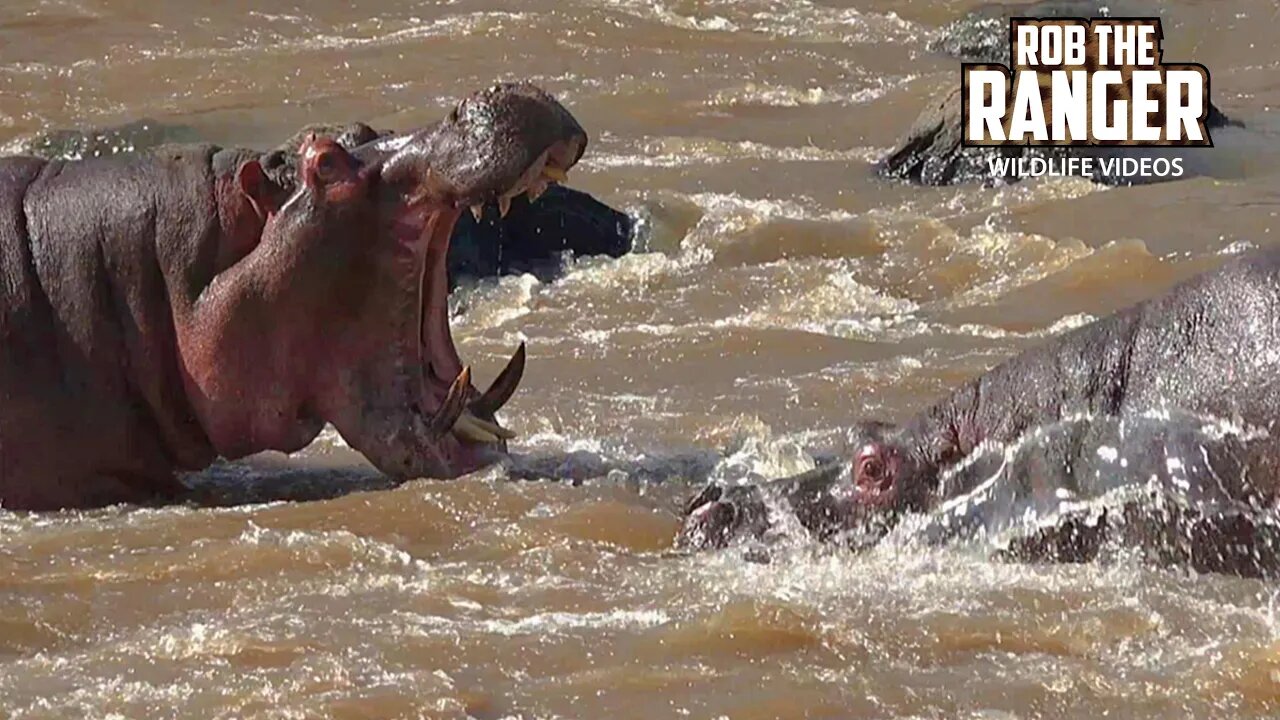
(88, 365)
(1206, 353)
(534, 236)
(931, 153)
(530, 238)
(160, 309)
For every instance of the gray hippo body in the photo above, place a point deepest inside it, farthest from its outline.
(1177, 396)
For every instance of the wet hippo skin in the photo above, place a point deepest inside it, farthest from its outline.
(1183, 387)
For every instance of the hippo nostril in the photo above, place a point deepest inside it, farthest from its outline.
(709, 494)
(326, 166)
(709, 525)
(872, 476)
(873, 469)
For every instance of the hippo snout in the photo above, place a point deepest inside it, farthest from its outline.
(717, 516)
(818, 504)
(709, 526)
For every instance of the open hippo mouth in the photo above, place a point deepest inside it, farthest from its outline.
(406, 400)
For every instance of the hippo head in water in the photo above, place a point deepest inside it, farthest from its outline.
(339, 313)
(1116, 433)
(856, 500)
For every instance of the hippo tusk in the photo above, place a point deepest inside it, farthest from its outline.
(470, 427)
(428, 190)
(504, 206)
(477, 211)
(470, 432)
(503, 386)
(555, 173)
(536, 188)
(453, 406)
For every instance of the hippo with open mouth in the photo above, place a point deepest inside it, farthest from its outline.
(162, 309)
(1153, 427)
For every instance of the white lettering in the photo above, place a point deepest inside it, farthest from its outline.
(1101, 130)
(1028, 110)
(1186, 116)
(988, 98)
(1144, 105)
(1070, 105)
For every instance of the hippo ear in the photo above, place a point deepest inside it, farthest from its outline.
(261, 192)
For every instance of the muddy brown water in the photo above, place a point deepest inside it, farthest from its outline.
(781, 293)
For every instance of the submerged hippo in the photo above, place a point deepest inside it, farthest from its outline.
(931, 153)
(527, 237)
(1168, 407)
(160, 309)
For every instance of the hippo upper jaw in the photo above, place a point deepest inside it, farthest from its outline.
(497, 144)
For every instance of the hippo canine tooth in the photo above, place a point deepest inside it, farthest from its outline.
(503, 386)
(555, 173)
(504, 205)
(477, 211)
(467, 429)
(536, 188)
(446, 416)
(470, 427)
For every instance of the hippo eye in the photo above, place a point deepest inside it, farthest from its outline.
(327, 167)
(871, 468)
(875, 468)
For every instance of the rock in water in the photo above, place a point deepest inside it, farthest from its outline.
(983, 34)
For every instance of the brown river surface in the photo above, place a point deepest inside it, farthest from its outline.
(779, 293)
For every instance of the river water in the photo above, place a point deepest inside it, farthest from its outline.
(780, 293)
